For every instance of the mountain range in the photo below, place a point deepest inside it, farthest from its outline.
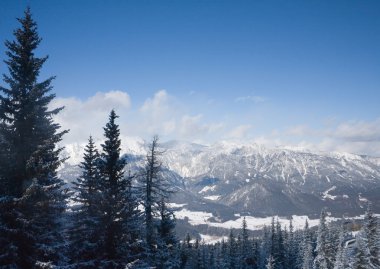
(219, 183)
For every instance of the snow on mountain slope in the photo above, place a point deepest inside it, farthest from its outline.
(259, 181)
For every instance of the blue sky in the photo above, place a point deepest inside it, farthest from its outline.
(300, 73)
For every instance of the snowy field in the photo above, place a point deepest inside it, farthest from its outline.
(253, 223)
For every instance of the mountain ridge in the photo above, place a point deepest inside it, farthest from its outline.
(259, 181)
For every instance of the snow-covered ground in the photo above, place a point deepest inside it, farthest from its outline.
(253, 223)
(212, 197)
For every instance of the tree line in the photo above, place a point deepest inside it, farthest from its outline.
(330, 246)
(112, 218)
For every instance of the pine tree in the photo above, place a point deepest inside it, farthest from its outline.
(372, 236)
(341, 259)
(308, 256)
(232, 255)
(119, 220)
(185, 252)
(197, 256)
(362, 256)
(87, 215)
(32, 196)
(270, 263)
(211, 258)
(167, 241)
(279, 254)
(291, 247)
(245, 253)
(277, 250)
(265, 247)
(305, 257)
(219, 255)
(224, 253)
(322, 249)
(255, 261)
(155, 189)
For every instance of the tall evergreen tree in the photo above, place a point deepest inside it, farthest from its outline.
(119, 220)
(270, 263)
(305, 257)
(322, 260)
(232, 248)
(87, 214)
(277, 250)
(362, 256)
(308, 257)
(32, 196)
(341, 261)
(291, 247)
(372, 235)
(155, 189)
(167, 241)
(245, 246)
(265, 248)
(280, 247)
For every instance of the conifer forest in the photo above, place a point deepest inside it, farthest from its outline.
(112, 217)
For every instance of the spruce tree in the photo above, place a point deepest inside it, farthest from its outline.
(306, 257)
(224, 253)
(291, 247)
(255, 261)
(279, 254)
(372, 235)
(232, 249)
(322, 249)
(265, 246)
(211, 264)
(32, 196)
(167, 241)
(245, 246)
(119, 220)
(341, 259)
(87, 215)
(270, 263)
(362, 256)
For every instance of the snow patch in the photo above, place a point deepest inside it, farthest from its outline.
(174, 205)
(195, 217)
(212, 197)
(326, 195)
(362, 199)
(212, 239)
(207, 188)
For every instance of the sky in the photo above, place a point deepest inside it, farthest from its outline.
(280, 73)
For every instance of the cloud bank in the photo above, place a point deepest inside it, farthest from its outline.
(165, 115)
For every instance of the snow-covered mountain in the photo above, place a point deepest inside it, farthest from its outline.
(226, 179)
(261, 181)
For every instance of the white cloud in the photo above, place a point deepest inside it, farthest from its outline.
(239, 132)
(359, 137)
(156, 105)
(300, 130)
(193, 127)
(160, 114)
(168, 117)
(251, 98)
(85, 117)
(357, 131)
